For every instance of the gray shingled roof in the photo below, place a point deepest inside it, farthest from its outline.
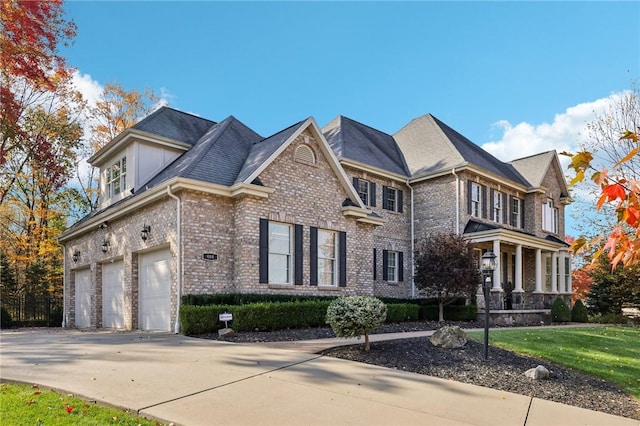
(262, 150)
(173, 124)
(535, 167)
(355, 141)
(430, 146)
(216, 158)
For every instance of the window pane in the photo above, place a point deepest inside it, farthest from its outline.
(391, 199)
(279, 238)
(278, 268)
(326, 244)
(326, 271)
(392, 269)
(363, 191)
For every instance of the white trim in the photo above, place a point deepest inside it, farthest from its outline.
(373, 170)
(123, 138)
(515, 238)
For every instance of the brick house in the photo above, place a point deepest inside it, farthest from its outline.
(193, 206)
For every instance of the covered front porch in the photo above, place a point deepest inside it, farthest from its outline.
(530, 272)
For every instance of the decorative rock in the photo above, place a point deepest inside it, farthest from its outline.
(449, 337)
(223, 332)
(540, 372)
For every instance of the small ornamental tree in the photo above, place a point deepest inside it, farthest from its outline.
(354, 316)
(446, 269)
(579, 312)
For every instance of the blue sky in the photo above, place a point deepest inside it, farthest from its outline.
(514, 77)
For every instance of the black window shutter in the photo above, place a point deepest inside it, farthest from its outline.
(510, 211)
(483, 201)
(356, 183)
(491, 200)
(505, 209)
(264, 251)
(522, 214)
(313, 254)
(399, 192)
(297, 268)
(385, 197)
(375, 264)
(400, 266)
(469, 191)
(372, 194)
(342, 266)
(385, 265)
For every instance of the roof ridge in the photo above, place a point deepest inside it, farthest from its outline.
(281, 131)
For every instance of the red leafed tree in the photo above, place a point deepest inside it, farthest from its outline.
(581, 282)
(612, 163)
(31, 33)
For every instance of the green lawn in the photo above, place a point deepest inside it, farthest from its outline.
(30, 405)
(611, 353)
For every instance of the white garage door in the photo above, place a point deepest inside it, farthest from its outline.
(113, 295)
(83, 298)
(154, 308)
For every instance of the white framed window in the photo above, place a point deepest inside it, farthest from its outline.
(327, 257)
(548, 272)
(476, 200)
(280, 253)
(363, 191)
(549, 217)
(497, 207)
(392, 266)
(116, 179)
(516, 212)
(392, 199)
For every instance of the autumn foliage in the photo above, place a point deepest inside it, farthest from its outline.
(622, 245)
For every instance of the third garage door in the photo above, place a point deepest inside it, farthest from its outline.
(154, 309)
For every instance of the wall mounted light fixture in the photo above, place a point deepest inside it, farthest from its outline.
(105, 246)
(76, 255)
(104, 225)
(146, 230)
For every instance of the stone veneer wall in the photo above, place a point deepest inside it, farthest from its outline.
(125, 243)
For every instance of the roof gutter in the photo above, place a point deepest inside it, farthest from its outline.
(453, 172)
(413, 246)
(178, 256)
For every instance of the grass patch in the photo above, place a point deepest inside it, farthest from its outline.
(610, 353)
(29, 405)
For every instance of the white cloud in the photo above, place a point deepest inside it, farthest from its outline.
(565, 133)
(90, 88)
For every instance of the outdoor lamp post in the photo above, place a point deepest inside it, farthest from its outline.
(487, 266)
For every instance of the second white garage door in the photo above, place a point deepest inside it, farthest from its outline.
(154, 297)
(113, 295)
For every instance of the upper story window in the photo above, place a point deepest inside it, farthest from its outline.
(476, 200)
(366, 190)
(498, 211)
(516, 213)
(392, 199)
(116, 180)
(549, 217)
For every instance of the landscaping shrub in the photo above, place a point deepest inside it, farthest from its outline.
(401, 312)
(5, 318)
(354, 316)
(451, 312)
(609, 319)
(560, 311)
(246, 298)
(579, 312)
(195, 320)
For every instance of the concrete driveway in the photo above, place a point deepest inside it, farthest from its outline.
(201, 382)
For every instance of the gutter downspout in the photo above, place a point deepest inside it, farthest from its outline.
(178, 256)
(413, 248)
(64, 285)
(453, 171)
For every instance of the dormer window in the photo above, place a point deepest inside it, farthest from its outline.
(116, 178)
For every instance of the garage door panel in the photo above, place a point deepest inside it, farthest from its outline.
(83, 299)
(113, 295)
(155, 291)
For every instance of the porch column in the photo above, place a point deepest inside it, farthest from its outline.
(518, 277)
(538, 271)
(554, 272)
(569, 283)
(497, 282)
(562, 289)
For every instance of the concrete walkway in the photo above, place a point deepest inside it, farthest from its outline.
(202, 382)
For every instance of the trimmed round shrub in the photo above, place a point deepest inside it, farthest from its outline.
(354, 316)
(5, 318)
(579, 312)
(560, 311)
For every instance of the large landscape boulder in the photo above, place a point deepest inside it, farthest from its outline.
(449, 337)
(538, 373)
